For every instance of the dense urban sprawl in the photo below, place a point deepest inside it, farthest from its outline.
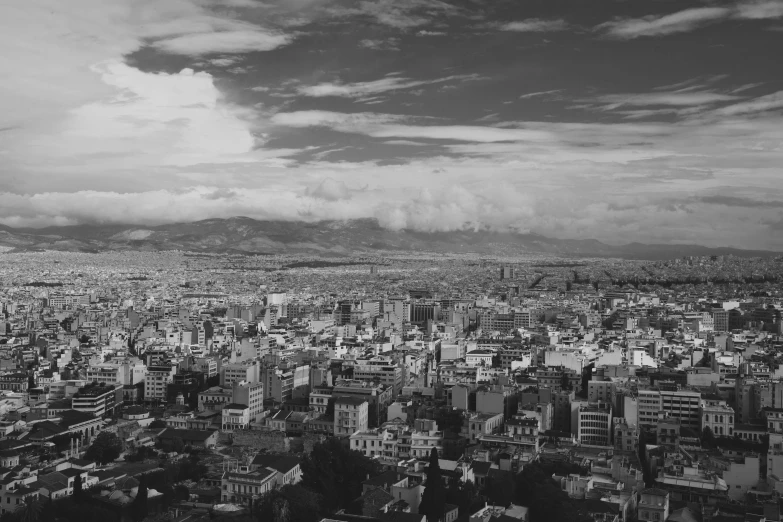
(399, 387)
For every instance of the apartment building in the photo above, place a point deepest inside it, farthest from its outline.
(381, 369)
(244, 486)
(235, 417)
(595, 424)
(718, 417)
(250, 394)
(350, 415)
(156, 382)
(683, 405)
(231, 373)
(97, 399)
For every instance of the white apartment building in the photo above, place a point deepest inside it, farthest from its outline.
(250, 394)
(599, 391)
(383, 369)
(595, 424)
(351, 414)
(235, 417)
(124, 373)
(237, 372)
(683, 405)
(648, 406)
(156, 382)
(479, 358)
(718, 417)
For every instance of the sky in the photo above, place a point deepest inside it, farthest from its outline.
(657, 121)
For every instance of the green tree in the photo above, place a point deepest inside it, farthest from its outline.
(708, 438)
(139, 505)
(336, 473)
(77, 488)
(433, 500)
(104, 449)
(545, 500)
(181, 493)
(32, 511)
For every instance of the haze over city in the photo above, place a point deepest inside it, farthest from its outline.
(657, 122)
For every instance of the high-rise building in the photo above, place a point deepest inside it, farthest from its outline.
(720, 319)
(506, 272)
(595, 424)
(423, 312)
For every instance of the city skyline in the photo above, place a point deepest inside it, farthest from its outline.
(651, 122)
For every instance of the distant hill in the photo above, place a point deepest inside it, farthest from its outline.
(245, 235)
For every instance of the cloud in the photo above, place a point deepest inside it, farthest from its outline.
(220, 193)
(223, 62)
(540, 93)
(534, 25)
(330, 190)
(655, 25)
(424, 32)
(387, 84)
(457, 208)
(769, 102)
(760, 10)
(406, 14)
(389, 44)
(223, 42)
(672, 99)
(738, 201)
(388, 126)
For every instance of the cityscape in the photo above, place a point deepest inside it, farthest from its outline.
(196, 386)
(391, 261)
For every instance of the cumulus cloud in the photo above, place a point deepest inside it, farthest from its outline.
(535, 25)
(329, 190)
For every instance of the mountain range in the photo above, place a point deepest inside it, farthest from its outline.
(328, 238)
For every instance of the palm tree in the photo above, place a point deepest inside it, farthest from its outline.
(32, 510)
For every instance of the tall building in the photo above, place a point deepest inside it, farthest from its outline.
(350, 415)
(720, 319)
(595, 424)
(246, 372)
(251, 394)
(506, 272)
(156, 382)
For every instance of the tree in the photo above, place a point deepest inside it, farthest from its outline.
(32, 510)
(104, 449)
(157, 424)
(31, 381)
(565, 382)
(336, 473)
(177, 444)
(708, 438)
(465, 496)
(181, 493)
(433, 500)
(77, 488)
(139, 505)
(545, 500)
(500, 488)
